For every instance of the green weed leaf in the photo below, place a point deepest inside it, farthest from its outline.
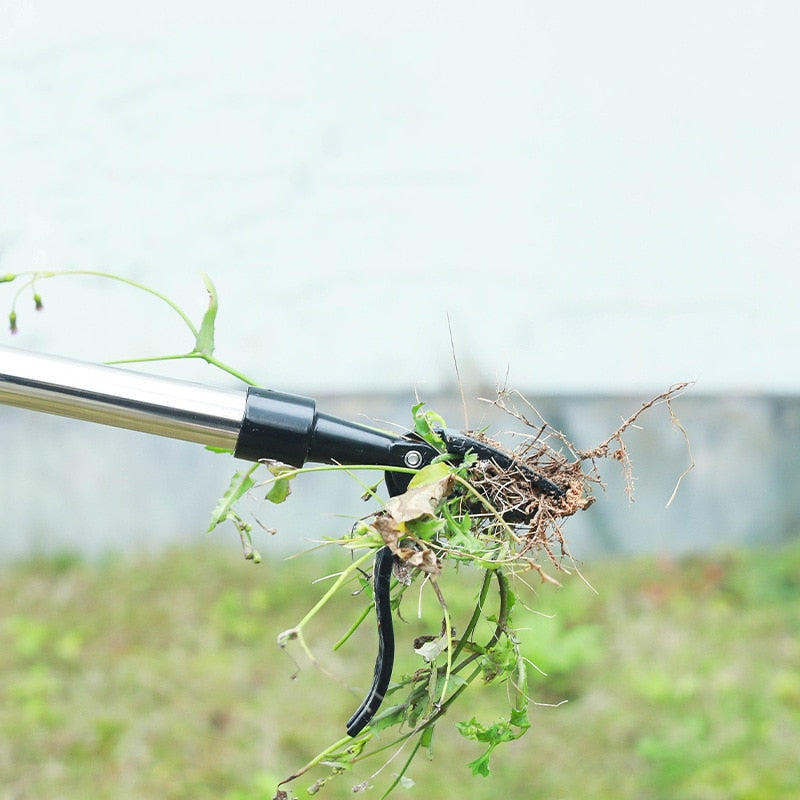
(431, 474)
(424, 423)
(519, 718)
(240, 483)
(493, 735)
(480, 766)
(281, 488)
(204, 343)
(280, 491)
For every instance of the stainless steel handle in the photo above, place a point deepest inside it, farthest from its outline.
(121, 398)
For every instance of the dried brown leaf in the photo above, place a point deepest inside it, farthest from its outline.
(420, 501)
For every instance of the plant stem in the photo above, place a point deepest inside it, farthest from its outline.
(487, 505)
(476, 614)
(110, 276)
(333, 589)
(352, 629)
(212, 360)
(502, 620)
(500, 628)
(448, 633)
(207, 357)
(336, 467)
(317, 759)
(403, 769)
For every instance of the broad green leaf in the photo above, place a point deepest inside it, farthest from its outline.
(281, 488)
(279, 491)
(388, 718)
(431, 473)
(425, 529)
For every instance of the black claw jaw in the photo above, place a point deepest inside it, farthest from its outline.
(459, 444)
(411, 452)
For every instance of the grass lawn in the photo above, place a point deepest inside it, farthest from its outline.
(160, 678)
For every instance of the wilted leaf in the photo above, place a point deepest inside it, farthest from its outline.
(424, 559)
(431, 649)
(388, 530)
(419, 501)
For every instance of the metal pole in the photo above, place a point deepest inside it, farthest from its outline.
(121, 398)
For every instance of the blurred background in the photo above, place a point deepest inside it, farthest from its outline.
(598, 201)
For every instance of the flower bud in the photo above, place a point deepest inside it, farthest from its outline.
(7, 278)
(12, 322)
(37, 300)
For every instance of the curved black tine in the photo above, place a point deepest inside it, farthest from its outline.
(381, 581)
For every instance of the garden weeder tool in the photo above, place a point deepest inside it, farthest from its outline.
(256, 424)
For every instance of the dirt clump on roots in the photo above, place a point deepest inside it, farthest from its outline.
(538, 516)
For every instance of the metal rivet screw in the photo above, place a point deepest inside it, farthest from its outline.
(413, 459)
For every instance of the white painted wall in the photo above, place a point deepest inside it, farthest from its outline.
(603, 196)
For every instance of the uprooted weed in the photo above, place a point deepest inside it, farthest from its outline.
(502, 514)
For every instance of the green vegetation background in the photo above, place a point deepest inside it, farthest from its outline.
(160, 677)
